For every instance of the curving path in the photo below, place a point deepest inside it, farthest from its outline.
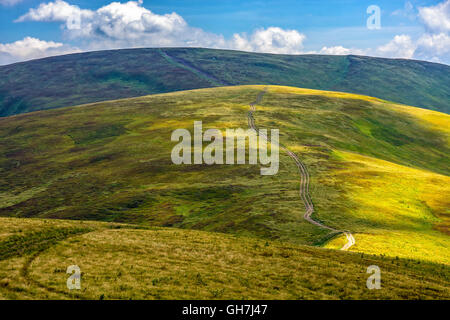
(304, 177)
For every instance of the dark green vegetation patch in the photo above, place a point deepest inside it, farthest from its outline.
(32, 242)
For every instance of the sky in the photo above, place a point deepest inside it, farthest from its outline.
(412, 29)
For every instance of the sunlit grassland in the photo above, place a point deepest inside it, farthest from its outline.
(112, 162)
(378, 169)
(399, 210)
(124, 262)
(401, 197)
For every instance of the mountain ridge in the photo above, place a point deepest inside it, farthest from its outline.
(82, 78)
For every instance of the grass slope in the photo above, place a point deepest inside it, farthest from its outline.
(125, 262)
(97, 76)
(378, 169)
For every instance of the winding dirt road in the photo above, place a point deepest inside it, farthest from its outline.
(304, 174)
(304, 177)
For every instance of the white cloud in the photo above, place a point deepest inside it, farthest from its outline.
(130, 25)
(400, 47)
(31, 48)
(270, 40)
(434, 47)
(9, 2)
(340, 50)
(439, 43)
(54, 11)
(6, 58)
(436, 18)
(120, 25)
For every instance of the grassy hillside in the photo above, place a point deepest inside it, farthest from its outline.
(378, 169)
(125, 262)
(98, 76)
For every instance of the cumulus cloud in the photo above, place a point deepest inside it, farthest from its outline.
(270, 40)
(54, 11)
(435, 43)
(433, 47)
(438, 43)
(6, 58)
(122, 25)
(340, 50)
(32, 48)
(436, 18)
(130, 25)
(400, 47)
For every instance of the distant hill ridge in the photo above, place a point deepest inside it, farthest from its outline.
(106, 75)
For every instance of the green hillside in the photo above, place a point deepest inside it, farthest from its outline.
(98, 76)
(378, 169)
(126, 262)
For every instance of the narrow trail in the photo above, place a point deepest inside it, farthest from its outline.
(304, 174)
(304, 177)
(37, 247)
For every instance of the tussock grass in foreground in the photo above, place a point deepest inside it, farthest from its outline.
(162, 263)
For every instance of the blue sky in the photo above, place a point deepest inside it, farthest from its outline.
(409, 29)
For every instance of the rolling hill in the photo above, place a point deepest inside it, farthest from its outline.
(127, 262)
(105, 75)
(378, 169)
